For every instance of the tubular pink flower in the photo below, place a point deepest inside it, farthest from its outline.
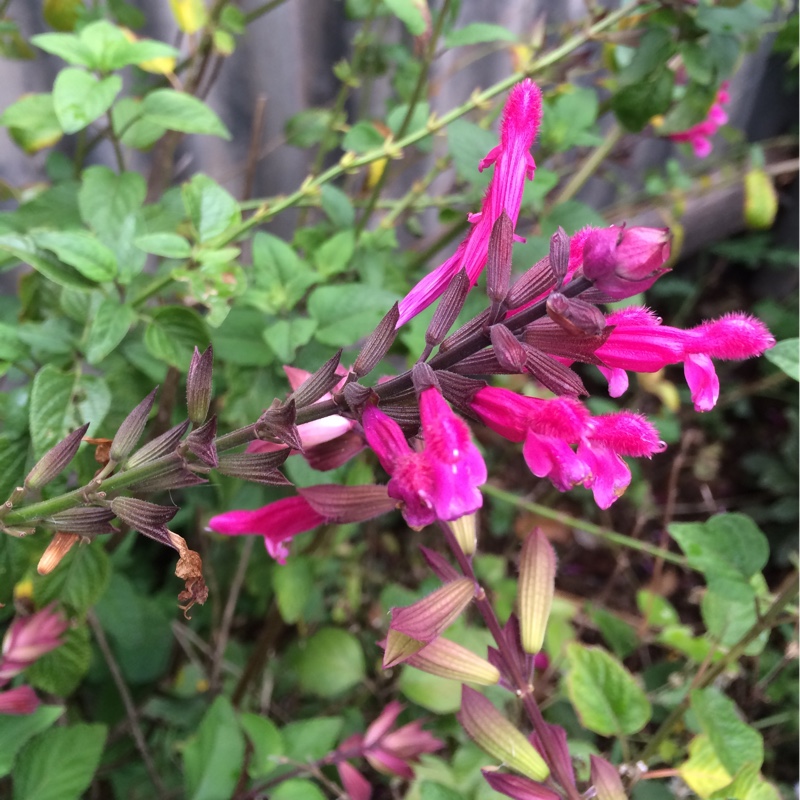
(29, 638)
(513, 163)
(19, 700)
(699, 136)
(702, 380)
(551, 458)
(277, 522)
(354, 783)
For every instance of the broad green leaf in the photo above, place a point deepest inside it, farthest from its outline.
(439, 695)
(334, 255)
(178, 111)
(50, 408)
(108, 328)
(569, 120)
(173, 333)
(785, 355)
(280, 277)
(410, 14)
(478, 33)
(637, 104)
(727, 620)
(166, 245)
(13, 454)
(657, 610)
(267, 744)
(32, 122)
(698, 61)
(311, 739)
(79, 581)
(703, 772)
(236, 340)
(81, 250)
(419, 119)
(693, 107)
(292, 582)
(346, 313)
(213, 758)
(24, 248)
(61, 670)
(285, 336)
(655, 49)
(138, 629)
(748, 785)
(67, 46)
(16, 730)
(336, 204)
(92, 401)
(331, 662)
(79, 98)
(734, 741)
(620, 636)
(605, 695)
(571, 216)
(297, 789)
(428, 790)
(59, 764)
(681, 638)
(467, 145)
(744, 18)
(131, 126)
(211, 209)
(308, 127)
(362, 137)
(728, 549)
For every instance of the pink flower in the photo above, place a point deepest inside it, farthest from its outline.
(29, 638)
(439, 482)
(20, 700)
(513, 163)
(622, 262)
(699, 136)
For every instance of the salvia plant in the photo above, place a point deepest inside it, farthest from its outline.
(316, 380)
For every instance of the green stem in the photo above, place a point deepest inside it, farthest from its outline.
(253, 15)
(393, 149)
(786, 592)
(416, 95)
(153, 288)
(588, 527)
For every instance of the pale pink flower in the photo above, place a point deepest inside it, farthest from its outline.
(29, 638)
(19, 700)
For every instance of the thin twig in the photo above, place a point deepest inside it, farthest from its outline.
(127, 701)
(253, 151)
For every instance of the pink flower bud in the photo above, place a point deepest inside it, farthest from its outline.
(625, 261)
(537, 574)
(20, 700)
(29, 638)
(606, 780)
(516, 787)
(450, 660)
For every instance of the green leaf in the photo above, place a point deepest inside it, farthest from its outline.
(637, 104)
(80, 249)
(656, 610)
(131, 126)
(439, 695)
(692, 108)
(620, 636)
(569, 120)
(728, 549)
(362, 137)
(311, 739)
(59, 764)
(211, 209)
(79, 98)
(410, 14)
(15, 731)
(234, 342)
(24, 248)
(478, 33)
(331, 663)
(297, 789)
(166, 245)
(173, 333)
(702, 771)
(293, 582)
(308, 127)
(467, 145)
(285, 336)
(655, 49)
(280, 277)
(785, 356)
(32, 122)
(744, 18)
(13, 455)
(735, 742)
(178, 111)
(605, 695)
(61, 670)
(267, 744)
(727, 620)
(93, 401)
(336, 204)
(50, 408)
(109, 326)
(79, 581)
(571, 216)
(346, 313)
(66, 46)
(335, 254)
(428, 790)
(213, 758)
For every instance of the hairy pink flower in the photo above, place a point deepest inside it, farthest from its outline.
(29, 638)
(699, 136)
(439, 482)
(512, 163)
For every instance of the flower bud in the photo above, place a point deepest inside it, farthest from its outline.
(449, 308)
(576, 317)
(198, 385)
(83, 521)
(559, 254)
(53, 554)
(399, 648)
(516, 787)
(277, 424)
(131, 429)
(55, 459)
(346, 504)
(498, 264)
(495, 735)
(623, 261)
(510, 353)
(537, 571)
(378, 343)
(160, 446)
(539, 278)
(147, 518)
(465, 529)
(450, 660)
(606, 780)
(335, 452)
(29, 638)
